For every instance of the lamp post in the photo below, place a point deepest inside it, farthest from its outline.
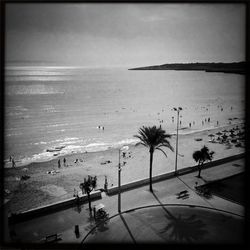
(176, 151)
(124, 148)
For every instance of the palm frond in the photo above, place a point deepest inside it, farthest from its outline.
(167, 145)
(153, 137)
(197, 155)
(162, 151)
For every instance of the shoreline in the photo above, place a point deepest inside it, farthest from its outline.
(181, 132)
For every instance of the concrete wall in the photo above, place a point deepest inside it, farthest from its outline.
(161, 177)
(54, 207)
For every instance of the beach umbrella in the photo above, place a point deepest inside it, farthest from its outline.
(224, 136)
(240, 133)
(218, 133)
(211, 135)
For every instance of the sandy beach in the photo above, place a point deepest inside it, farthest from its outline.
(44, 188)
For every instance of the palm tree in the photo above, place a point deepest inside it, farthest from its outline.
(87, 187)
(153, 138)
(201, 156)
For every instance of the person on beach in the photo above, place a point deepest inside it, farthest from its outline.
(193, 122)
(59, 163)
(10, 158)
(64, 162)
(202, 123)
(217, 123)
(205, 120)
(190, 124)
(172, 119)
(75, 193)
(106, 183)
(13, 162)
(208, 119)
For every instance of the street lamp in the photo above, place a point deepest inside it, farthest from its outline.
(124, 148)
(176, 151)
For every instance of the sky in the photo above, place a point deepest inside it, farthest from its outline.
(124, 35)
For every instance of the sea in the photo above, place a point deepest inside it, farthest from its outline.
(51, 111)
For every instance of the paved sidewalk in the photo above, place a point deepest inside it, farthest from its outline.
(64, 221)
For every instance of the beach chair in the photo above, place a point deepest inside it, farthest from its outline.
(182, 194)
(52, 238)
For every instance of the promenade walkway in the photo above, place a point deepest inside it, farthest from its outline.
(176, 224)
(165, 193)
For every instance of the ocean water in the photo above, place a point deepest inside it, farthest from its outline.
(48, 107)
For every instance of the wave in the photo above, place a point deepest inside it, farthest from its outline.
(37, 89)
(39, 78)
(56, 125)
(14, 134)
(67, 147)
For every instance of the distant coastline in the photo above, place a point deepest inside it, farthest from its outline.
(235, 67)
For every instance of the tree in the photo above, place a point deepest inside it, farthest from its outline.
(201, 156)
(153, 138)
(88, 186)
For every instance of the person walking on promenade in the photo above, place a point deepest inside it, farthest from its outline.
(59, 163)
(64, 162)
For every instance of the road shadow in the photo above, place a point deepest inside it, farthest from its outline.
(127, 227)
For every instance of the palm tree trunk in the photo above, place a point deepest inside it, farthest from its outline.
(199, 175)
(150, 171)
(90, 209)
